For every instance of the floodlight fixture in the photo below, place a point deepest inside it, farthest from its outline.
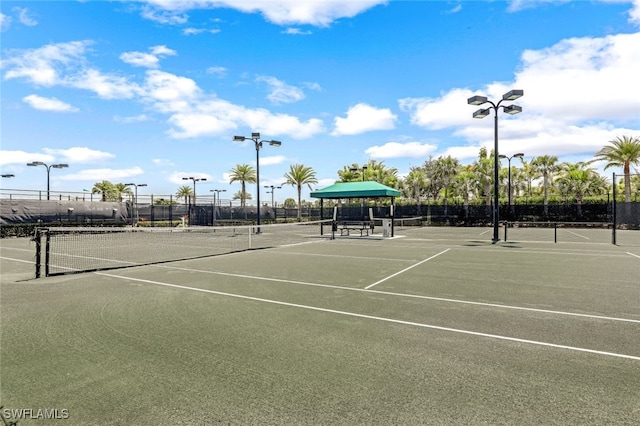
(239, 138)
(512, 109)
(8, 175)
(59, 166)
(512, 95)
(482, 113)
(477, 100)
(275, 143)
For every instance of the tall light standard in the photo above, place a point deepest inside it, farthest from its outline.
(273, 188)
(216, 192)
(518, 155)
(55, 166)
(355, 169)
(482, 113)
(135, 199)
(255, 137)
(194, 185)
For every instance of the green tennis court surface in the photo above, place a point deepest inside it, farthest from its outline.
(435, 326)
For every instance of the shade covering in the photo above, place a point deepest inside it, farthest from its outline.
(368, 189)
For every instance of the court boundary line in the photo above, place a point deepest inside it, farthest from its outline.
(411, 296)
(17, 260)
(631, 254)
(376, 318)
(406, 269)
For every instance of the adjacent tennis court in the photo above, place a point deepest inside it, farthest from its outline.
(434, 326)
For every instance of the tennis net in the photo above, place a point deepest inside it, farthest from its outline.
(87, 249)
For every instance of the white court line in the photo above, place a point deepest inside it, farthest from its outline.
(406, 269)
(16, 260)
(390, 320)
(390, 293)
(634, 255)
(577, 235)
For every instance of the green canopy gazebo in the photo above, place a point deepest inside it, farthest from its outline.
(367, 189)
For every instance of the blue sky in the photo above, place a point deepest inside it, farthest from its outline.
(153, 91)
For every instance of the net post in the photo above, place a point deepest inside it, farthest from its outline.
(506, 225)
(555, 232)
(47, 253)
(37, 239)
(613, 212)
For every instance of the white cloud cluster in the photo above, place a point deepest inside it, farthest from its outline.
(578, 94)
(79, 154)
(364, 118)
(401, 150)
(48, 104)
(281, 92)
(147, 60)
(320, 13)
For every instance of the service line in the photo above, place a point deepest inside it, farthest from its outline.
(406, 269)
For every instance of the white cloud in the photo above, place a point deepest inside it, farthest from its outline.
(401, 150)
(147, 60)
(48, 104)
(23, 157)
(218, 71)
(196, 31)
(23, 16)
(296, 31)
(132, 119)
(79, 154)
(578, 94)
(364, 118)
(96, 175)
(271, 160)
(319, 13)
(280, 92)
(162, 162)
(45, 65)
(177, 178)
(5, 22)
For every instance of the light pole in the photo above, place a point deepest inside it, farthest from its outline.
(194, 185)
(135, 199)
(255, 137)
(355, 169)
(55, 166)
(518, 155)
(216, 192)
(273, 188)
(482, 113)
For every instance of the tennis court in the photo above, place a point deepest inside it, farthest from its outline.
(434, 326)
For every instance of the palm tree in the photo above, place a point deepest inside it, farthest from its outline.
(105, 188)
(545, 166)
(298, 176)
(445, 169)
(243, 173)
(464, 184)
(415, 183)
(119, 189)
(483, 168)
(185, 192)
(623, 152)
(579, 180)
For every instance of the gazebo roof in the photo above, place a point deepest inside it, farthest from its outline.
(368, 189)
